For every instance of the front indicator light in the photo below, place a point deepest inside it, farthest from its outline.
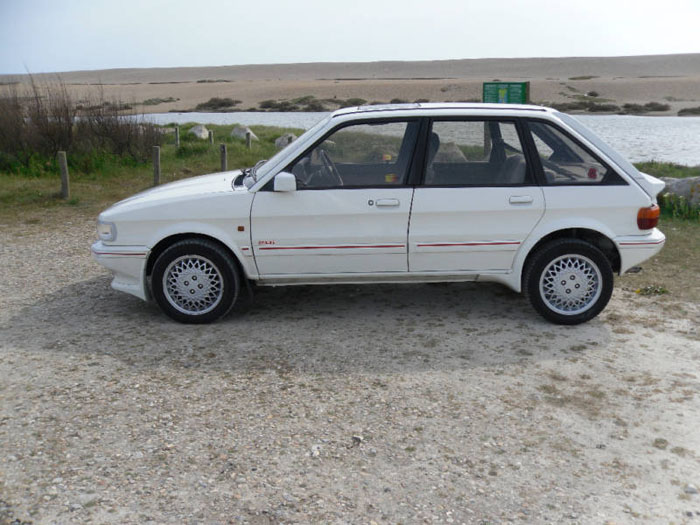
(106, 231)
(648, 218)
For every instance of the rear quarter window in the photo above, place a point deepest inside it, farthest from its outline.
(565, 161)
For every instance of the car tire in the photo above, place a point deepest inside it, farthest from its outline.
(195, 281)
(568, 281)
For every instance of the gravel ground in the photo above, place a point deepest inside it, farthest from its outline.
(377, 404)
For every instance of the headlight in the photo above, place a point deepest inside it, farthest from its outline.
(106, 231)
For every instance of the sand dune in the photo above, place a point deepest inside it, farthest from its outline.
(674, 79)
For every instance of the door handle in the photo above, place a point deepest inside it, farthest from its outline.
(520, 199)
(388, 202)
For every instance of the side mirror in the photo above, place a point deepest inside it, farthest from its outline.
(285, 181)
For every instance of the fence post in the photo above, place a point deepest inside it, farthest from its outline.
(177, 136)
(156, 165)
(224, 160)
(248, 139)
(211, 137)
(65, 181)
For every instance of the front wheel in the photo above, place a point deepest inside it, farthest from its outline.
(569, 281)
(195, 281)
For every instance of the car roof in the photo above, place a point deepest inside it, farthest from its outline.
(437, 108)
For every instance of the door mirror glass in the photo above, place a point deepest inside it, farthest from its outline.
(285, 182)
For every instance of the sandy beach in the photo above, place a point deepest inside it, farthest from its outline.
(668, 79)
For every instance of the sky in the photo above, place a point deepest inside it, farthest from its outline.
(66, 35)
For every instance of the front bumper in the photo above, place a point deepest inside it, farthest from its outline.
(635, 249)
(127, 263)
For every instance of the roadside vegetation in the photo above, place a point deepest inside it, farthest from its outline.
(217, 104)
(108, 178)
(38, 121)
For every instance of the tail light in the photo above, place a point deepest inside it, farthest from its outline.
(648, 218)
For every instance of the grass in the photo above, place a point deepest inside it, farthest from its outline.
(673, 274)
(109, 178)
(668, 169)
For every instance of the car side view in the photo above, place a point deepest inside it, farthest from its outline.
(521, 195)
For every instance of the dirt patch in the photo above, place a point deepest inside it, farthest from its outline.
(413, 403)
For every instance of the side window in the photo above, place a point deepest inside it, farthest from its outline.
(475, 153)
(565, 161)
(360, 155)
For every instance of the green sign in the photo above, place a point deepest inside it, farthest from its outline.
(507, 92)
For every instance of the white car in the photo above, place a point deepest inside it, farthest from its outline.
(521, 195)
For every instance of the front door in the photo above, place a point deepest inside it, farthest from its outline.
(478, 201)
(350, 212)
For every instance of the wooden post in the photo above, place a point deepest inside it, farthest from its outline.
(177, 136)
(211, 137)
(248, 139)
(224, 160)
(65, 181)
(156, 165)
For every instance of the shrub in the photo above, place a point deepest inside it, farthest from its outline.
(37, 121)
(689, 111)
(398, 101)
(594, 107)
(649, 106)
(678, 207)
(314, 105)
(217, 104)
(356, 101)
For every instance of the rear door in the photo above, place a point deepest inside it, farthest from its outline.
(350, 212)
(478, 201)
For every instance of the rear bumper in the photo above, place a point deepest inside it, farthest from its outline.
(635, 249)
(127, 263)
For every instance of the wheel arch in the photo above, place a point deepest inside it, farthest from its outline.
(168, 241)
(594, 237)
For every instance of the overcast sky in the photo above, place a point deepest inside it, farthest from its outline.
(64, 35)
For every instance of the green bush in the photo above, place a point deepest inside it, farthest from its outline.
(636, 109)
(217, 104)
(689, 111)
(678, 207)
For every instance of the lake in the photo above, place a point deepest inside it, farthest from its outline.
(667, 139)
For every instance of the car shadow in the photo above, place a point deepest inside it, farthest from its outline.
(317, 329)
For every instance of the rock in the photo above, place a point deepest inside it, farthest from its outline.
(240, 131)
(285, 139)
(690, 489)
(688, 188)
(199, 131)
(357, 440)
(315, 451)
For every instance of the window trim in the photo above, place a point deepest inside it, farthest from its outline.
(531, 173)
(376, 121)
(537, 163)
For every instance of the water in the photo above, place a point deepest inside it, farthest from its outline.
(667, 139)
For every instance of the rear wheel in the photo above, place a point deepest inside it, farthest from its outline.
(195, 281)
(569, 281)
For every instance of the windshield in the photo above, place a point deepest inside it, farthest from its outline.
(263, 169)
